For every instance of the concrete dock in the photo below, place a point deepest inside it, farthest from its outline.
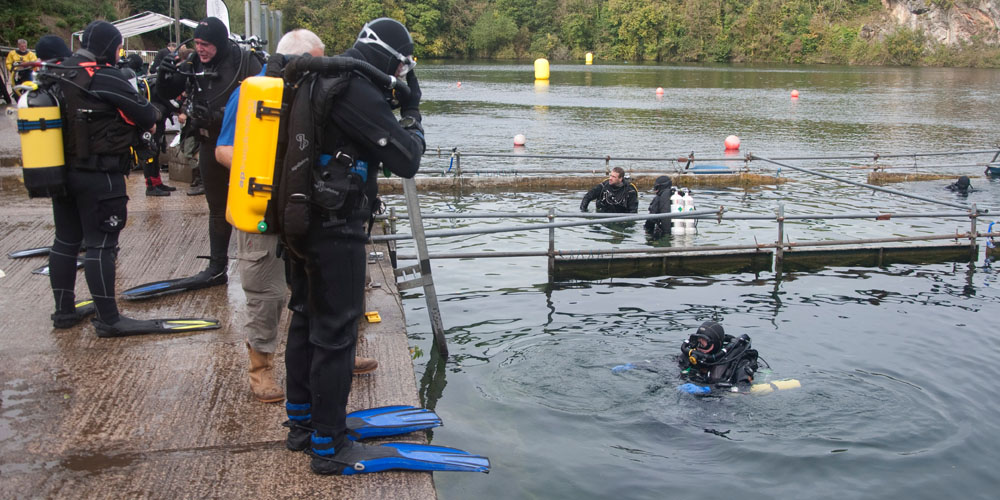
(162, 416)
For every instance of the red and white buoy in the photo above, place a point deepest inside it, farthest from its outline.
(659, 90)
(795, 94)
(732, 143)
(459, 84)
(519, 140)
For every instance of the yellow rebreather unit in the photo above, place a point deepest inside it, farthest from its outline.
(251, 178)
(777, 385)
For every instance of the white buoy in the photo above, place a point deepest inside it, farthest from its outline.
(732, 143)
(519, 140)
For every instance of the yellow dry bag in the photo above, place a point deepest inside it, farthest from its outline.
(251, 178)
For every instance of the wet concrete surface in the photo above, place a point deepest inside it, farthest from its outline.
(163, 416)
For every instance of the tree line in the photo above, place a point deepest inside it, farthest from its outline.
(776, 31)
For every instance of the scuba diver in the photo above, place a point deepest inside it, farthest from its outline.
(710, 356)
(660, 204)
(615, 195)
(961, 186)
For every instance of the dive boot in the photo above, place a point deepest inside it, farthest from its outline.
(361, 424)
(84, 308)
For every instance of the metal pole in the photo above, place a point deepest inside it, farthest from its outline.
(866, 186)
(430, 294)
(458, 164)
(254, 17)
(779, 252)
(246, 19)
(552, 243)
(177, 22)
(972, 235)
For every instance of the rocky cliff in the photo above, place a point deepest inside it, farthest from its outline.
(949, 22)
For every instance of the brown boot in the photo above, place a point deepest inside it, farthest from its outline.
(262, 383)
(364, 365)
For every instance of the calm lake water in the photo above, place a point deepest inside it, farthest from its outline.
(898, 364)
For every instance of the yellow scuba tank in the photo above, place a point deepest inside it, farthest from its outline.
(39, 126)
(776, 385)
(251, 178)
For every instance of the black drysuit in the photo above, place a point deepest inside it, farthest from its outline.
(93, 211)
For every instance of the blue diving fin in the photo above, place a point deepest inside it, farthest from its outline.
(389, 421)
(357, 458)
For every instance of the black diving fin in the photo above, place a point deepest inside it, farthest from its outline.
(165, 287)
(44, 270)
(29, 252)
(356, 458)
(126, 327)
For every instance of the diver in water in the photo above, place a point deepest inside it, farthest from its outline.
(709, 356)
(961, 186)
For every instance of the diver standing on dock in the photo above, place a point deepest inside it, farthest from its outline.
(104, 115)
(346, 145)
(614, 195)
(218, 68)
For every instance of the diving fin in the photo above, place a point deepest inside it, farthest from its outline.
(356, 458)
(370, 423)
(126, 327)
(29, 252)
(44, 270)
(157, 288)
(389, 421)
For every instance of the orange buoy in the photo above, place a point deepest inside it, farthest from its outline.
(795, 94)
(519, 140)
(659, 90)
(732, 143)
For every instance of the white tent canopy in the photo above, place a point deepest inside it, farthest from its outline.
(139, 24)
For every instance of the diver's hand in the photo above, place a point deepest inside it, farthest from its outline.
(697, 357)
(168, 66)
(413, 102)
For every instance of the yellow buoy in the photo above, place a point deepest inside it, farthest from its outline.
(590, 58)
(541, 69)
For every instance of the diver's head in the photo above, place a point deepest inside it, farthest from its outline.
(211, 39)
(663, 183)
(103, 40)
(709, 337)
(617, 176)
(387, 45)
(963, 183)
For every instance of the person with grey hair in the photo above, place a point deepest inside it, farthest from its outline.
(21, 55)
(261, 269)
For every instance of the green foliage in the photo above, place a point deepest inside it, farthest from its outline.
(491, 31)
(798, 31)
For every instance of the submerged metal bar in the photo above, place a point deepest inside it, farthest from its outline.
(668, 250)
(608, 158)
(866, 186)
(534, 227)
(714, 216)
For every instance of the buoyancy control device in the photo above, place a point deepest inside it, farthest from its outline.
(40, 126)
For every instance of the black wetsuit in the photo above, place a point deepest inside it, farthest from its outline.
(327, 270)
(734, 364)
(94, 211)
(622, 199)
(207, 95)
(659, 205)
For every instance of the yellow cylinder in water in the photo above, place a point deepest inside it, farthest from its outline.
(541, 69)
(590, 58)
(252, 175)
(777, 385)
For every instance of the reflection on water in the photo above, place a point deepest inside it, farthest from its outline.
(896, 363)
